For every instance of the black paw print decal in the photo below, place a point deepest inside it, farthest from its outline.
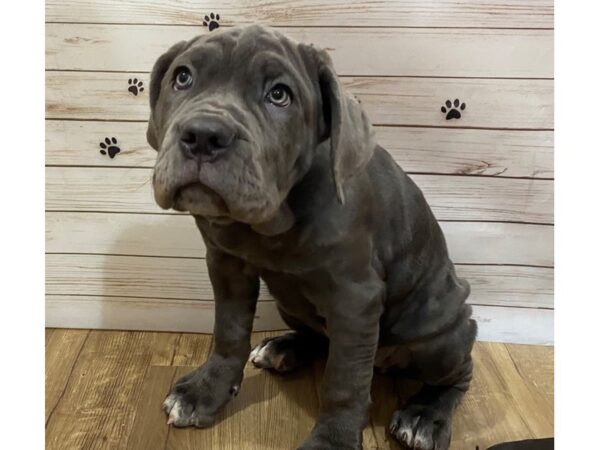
(453, 110)
(109, 146)
(211, 22)
(135, 86)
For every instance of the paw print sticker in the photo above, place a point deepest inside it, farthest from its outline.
(212, 21)
(109, 146)
(452, 110)
(135, 86)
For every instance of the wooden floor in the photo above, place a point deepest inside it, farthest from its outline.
(104, 390)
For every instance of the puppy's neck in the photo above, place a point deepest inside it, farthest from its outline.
(281, 222)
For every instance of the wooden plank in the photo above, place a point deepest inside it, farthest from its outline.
(496, 323)
(487, 414)
(518, 104)
(123, 234)
(535, 365)
(177, 235)
(384, 13)
(187, 279)
(149, 428)
(447, 151)
(521, 286)
(514, 325)
(372, 52)
(48, 335)
(490, 103)
(450, 197)
(75, 143)
(528, 402)
(62, 349)
(108, 275)
(98, 408)
(192, 349)
(121, 313)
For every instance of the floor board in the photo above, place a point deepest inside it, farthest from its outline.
(104, 390)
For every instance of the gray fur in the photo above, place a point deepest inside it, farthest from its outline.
(303, 198)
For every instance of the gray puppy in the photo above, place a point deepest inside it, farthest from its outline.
(258, 140)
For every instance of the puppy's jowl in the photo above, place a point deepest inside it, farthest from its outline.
(278, 164)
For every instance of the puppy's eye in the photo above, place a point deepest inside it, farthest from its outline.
(280, 96)
(183, 79)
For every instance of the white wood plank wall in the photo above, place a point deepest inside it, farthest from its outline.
(115, 260)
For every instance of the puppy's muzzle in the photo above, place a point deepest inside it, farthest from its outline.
(206, 138)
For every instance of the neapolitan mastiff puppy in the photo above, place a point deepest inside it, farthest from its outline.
(258, 140)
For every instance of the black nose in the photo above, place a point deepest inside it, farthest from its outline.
(205, 137)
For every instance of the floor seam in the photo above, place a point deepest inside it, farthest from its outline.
(62, 394)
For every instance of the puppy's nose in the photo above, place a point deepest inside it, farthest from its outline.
(205, 137)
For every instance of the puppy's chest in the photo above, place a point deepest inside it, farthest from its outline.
(287, 254)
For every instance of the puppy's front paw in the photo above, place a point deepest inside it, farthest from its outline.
(194, 400)
(184, 410)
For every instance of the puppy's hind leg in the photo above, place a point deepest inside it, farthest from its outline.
(288, 352)
(444, 364)
(291, 351)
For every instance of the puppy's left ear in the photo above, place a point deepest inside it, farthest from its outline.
(349, 129)
(158, 73)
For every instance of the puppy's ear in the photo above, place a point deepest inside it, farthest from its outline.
(158, 72)
(346, 124)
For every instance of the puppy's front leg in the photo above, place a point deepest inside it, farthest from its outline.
(195, 399)
(353, 329)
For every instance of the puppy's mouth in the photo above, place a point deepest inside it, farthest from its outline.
(185, 190)
(196, 197)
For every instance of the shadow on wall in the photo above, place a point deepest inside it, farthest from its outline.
(149, 292)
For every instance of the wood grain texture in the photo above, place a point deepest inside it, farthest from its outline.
(384, 13)
(48, 335)
(275, 412)
(122, 313)
(62, 349)
(187, 279)
(450, 197)
(535, 365)
(500, 103)
(96, 410)
(489, 414)
(514, 325)
(192, 349)
(446, 151)
(496, 323)
(177, 235)
(149, 430)
(527, 401)
(372, 52)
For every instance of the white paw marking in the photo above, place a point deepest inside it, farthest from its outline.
(175, 413)
(408, 440)
(423, 438)
(260, 356)
(168, 403)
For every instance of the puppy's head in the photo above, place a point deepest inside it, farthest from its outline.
(236, 118)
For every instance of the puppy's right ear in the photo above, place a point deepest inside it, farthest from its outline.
(158, 72)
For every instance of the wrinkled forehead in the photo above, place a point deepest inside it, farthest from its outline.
(245, 53)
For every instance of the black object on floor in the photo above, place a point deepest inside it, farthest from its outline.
(530, 444)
